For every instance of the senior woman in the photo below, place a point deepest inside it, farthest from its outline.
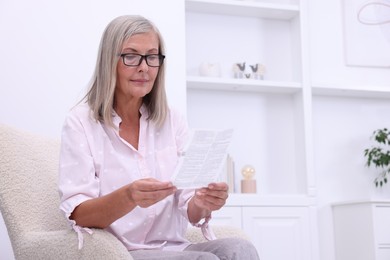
(120, 146)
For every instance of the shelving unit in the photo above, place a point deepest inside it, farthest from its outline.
(270, 117)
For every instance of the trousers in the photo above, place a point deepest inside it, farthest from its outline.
(224, 249)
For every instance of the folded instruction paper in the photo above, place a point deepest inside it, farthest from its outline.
(203, 159)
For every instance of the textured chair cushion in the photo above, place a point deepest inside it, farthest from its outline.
(221, 231)
(29, 203)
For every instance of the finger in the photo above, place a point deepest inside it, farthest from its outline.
(206, 201)
(222, 194)
(217, 201)
(146, 199)
(157, 194)
(209, 205)
(152, 185)
(218, 186)
(148, 191)
(156, 186)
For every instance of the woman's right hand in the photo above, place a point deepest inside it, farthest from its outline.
(146, 192)
(102, 211)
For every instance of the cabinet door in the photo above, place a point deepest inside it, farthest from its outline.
(227, 216)
(383, 253)
(382, 231)
(382, 225)
(279, 232)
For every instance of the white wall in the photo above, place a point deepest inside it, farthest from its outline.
(48, 51)
(327, 49)
(341, 126)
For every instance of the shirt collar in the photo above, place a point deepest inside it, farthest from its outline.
(116, 119)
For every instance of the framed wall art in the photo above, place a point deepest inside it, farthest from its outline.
(367, 33)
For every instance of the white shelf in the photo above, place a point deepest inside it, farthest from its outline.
(244, 8)
(356, 202)
(353, 91)
(248, 85)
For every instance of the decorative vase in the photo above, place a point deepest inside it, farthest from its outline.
(209, 69)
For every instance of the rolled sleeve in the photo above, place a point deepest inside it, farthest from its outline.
(77, 175)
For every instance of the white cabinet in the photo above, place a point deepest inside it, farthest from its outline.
(280, 228)
(228, 216)
(362, 230)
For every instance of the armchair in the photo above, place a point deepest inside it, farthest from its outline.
(29, 203)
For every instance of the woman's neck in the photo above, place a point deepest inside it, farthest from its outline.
(128, 112)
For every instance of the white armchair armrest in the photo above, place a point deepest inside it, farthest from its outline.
(63, 244)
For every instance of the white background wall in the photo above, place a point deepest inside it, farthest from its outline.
(341, 126)
(48, 52)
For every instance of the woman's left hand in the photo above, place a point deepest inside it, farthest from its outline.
(212, 197)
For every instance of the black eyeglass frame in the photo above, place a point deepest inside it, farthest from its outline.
(161, 58)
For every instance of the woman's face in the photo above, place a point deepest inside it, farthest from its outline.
(134, 82)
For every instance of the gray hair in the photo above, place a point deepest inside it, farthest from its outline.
(100, 96)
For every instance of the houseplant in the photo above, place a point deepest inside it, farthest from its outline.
(379, 155)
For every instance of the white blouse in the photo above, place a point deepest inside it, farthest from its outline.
(95, 161)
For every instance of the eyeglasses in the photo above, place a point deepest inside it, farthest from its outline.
(153, 60)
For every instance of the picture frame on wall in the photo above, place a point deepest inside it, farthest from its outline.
(367, 33)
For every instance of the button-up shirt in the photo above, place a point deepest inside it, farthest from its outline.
(95, 161)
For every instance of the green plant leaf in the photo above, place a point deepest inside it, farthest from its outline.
(379, 155)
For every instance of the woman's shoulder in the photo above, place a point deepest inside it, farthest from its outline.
(80, 112)
(80, 117)
(175, 112)
(177, 117)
